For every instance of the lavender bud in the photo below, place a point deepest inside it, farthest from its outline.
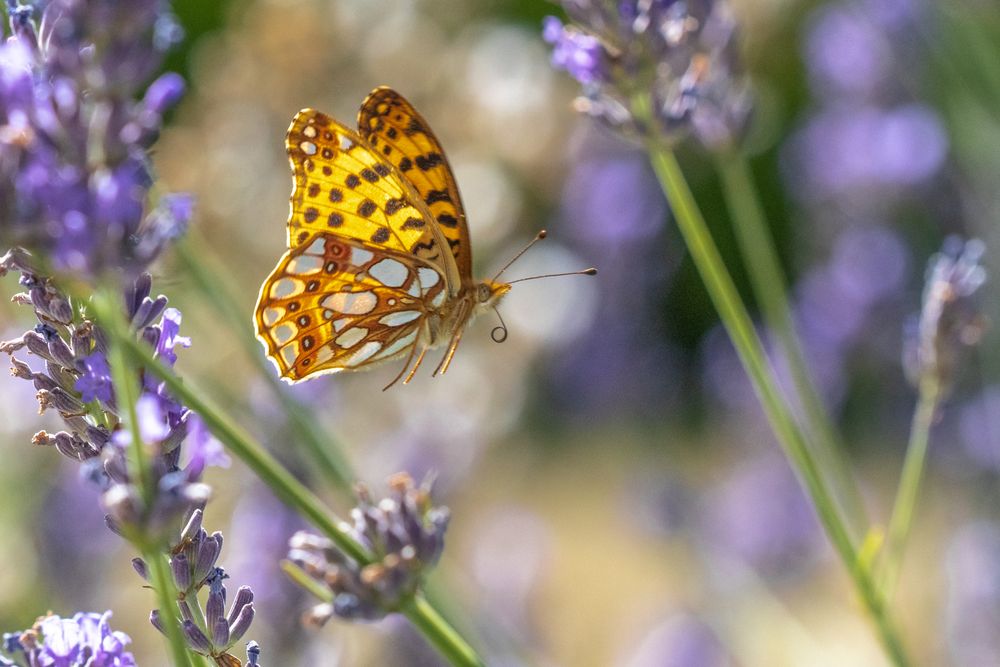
(98, 436)
(220, 632)
(193, 526)
(149, 310)
(60, 310)
(244, 596)
(37, 345)
(164, 93)
(950, 318)
(61, 354)
(181, 570)
(208, 552)
(137, 292)
(19, 369)
(215, 607)
(139, 565)
(156, 621)
(253, 654)
(123, 505)
(403, 532)
(196, 639)
(239, 627)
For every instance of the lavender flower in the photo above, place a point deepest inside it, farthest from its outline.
(405, 536)
(209, 631)
(74, 174)
(949, 319)
(86, 639)
(682, 54)
(76, 382)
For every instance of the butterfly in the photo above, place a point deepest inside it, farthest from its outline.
(379, 261)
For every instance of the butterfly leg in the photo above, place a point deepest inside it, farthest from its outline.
(446, 360)
(413, 371)
(409, 358)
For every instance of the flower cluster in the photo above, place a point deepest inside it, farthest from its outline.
(85, 639)
(950, 318)
(681, 55)
(75, 177)
(403, 533)
(209, 631)
(74, 379)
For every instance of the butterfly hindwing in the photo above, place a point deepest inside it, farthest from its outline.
(342, 188)
(397, 133)
(335, 304)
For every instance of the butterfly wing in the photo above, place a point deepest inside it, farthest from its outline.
(397, 133)
(338, 304)
(344, 189)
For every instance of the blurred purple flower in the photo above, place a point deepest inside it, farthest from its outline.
(258, 533)
(760, 516)
(680, 641)
(979, 428)
(203, 448)
(403, 532)
(95, 382)
(866, 151)
(846, 52)
(614, 198)
(972, 612)
(868, 264)
(86, 639)
(576, 52)
(950, 317)
(170, 327)
(74, 174)
(683, 55)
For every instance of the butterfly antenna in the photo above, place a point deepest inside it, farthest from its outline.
(586, 272)
(538, 237)
(499, 334)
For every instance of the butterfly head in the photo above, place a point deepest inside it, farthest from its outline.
(489, 293)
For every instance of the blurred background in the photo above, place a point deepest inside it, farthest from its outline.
(617, 497)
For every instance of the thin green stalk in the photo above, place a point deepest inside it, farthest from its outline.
(216, 288)
(909, 482)
(770, 288)
(436, 629)
(251, 452)
(126, 395)
(167, 605)
(737, 321)
(293, 493)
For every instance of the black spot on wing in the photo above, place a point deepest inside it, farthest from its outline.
(434, 196)
(429, 161)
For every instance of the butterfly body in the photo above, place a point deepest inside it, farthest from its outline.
(379, 260)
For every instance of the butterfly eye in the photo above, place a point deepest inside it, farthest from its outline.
(484, 293)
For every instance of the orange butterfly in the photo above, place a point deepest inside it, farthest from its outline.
(379, 263)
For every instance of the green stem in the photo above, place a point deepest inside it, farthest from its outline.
(297, 496)
(217, 289)
(737, 321)
(769, 285)
(252, 453)
(167, 606)
(909, 482)
(126, 394)
(443, 636)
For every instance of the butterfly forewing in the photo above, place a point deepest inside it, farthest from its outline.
(337, 304)
(397, 133)
(342, 187)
